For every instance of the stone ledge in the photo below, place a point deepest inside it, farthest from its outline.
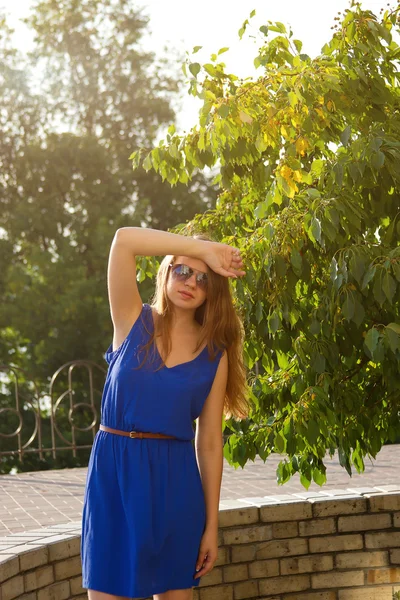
(335, 545)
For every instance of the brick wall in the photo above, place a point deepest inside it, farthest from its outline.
(334, 549)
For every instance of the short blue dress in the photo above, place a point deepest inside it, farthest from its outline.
(144, 510)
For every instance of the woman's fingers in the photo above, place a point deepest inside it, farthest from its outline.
(206, 567)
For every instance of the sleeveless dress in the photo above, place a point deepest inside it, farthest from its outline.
(144, 508)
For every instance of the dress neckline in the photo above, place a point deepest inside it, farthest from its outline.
(188, 362)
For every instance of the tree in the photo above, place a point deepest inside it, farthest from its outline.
(308, 159)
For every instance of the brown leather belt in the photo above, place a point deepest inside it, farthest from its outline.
(136, 434)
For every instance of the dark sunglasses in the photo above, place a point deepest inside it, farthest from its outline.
(183, 272)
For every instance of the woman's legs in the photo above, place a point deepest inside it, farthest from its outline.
(170, 595)
(175, 595)
(94, 595)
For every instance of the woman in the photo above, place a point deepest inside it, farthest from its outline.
(150, 514)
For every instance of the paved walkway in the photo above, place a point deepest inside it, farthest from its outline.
(37, 499)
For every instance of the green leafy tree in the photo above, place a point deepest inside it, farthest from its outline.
(308, 163)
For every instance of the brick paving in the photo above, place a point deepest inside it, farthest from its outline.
(29, 501)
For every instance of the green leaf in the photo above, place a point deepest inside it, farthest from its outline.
(371, 340)
(264, 30)
(393, 339)
(312, 432)
(394, 327)
(282, 359)
(293, 100)
(377, 160)
(315, 327)
(280, 265)
(224, 110)
(345, 135)
(298, 45)
(274, 322)
(316, 167)
(252, 14)
(222, 50)
(259, 311)
(356, 267)
(210, 69)
(396, 268)
(370, 273)
(359, 314)
(261, 210)
(194, 68)
(196, 49)
(350, 31)
(279, 442)
(348, 306)
(377, 289)
(278, 27)
(389, 286)
(313, 193)
(173, 151)
(135, 158)
(296, 261)
(318, 476)
(147, 164)
(305, 481)
(243, 28)
(315, 229)
(319, 363)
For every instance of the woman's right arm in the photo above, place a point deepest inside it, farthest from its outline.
(129, 242)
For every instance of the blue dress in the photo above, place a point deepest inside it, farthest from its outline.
(144, 509)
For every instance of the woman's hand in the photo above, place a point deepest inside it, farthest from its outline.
(208, 552)
(223, 259)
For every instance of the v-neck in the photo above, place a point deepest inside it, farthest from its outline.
(188, 362)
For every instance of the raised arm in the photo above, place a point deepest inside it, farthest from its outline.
(129, 242)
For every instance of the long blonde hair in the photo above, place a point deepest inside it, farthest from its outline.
(221, 326)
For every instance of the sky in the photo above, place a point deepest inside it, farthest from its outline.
(214, 24)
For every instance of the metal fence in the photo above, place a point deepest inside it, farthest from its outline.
(21, 397)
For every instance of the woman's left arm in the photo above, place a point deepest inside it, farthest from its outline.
(209, 452)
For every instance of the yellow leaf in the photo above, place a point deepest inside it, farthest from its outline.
(286, 172)
(297, 176)
(330, 105)
(284, 132)
(301, 146)
(292, 191)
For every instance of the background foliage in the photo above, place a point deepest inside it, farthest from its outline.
(308, 164)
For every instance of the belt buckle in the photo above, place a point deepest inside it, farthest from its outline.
(135, 434)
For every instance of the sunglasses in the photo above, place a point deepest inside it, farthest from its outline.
(182, 272)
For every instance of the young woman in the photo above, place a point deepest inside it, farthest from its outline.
(150, 514)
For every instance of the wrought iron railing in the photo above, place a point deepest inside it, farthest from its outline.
(19, 403)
